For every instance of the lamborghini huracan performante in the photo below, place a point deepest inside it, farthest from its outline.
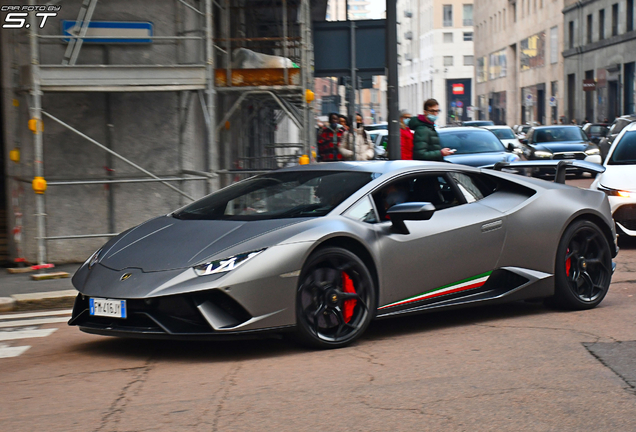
(321, 250)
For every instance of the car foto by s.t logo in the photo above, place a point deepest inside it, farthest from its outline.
(17, 15)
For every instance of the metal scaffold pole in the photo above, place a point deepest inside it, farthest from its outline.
(213, 156)
(36, 116)
(304, 34)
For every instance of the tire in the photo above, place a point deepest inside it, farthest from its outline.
(583, 267)
(335, 300)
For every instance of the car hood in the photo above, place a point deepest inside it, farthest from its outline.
(480, 159)
(621, 177)
(167, 243)
(561, 147)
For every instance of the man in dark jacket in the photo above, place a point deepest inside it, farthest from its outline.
(426, 144)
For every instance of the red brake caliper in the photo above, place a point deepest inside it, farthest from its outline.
(348, 305)
(568, 263)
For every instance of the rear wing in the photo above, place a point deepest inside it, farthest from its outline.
(560, 166)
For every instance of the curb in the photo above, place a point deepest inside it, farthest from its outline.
(38, 301)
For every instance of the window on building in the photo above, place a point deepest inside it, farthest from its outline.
(630, 15)
(554, 44)
(601, 24)
(513, 12)
(468, 36)
(589, 28)
(615, 19)
(571, 34)
(448, 38)
(448, 15)
(468, 15)
(448, 60)
(469, 60)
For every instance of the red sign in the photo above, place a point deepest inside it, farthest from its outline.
(589, 85)
(458, 89)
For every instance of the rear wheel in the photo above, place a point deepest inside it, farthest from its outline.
(335, 299)
(583, 267)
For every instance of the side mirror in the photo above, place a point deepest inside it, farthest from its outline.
(409, 211)
(511, 147)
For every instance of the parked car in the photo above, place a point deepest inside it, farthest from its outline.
(380, 140)
(559, 142)
(616, 128)
(475, 146)
(507, 136)
(596, 131)
(522, 130)
(619, 180)
(376, 126)
(321, 250)
(478, 123)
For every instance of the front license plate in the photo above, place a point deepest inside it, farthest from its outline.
(108, 307)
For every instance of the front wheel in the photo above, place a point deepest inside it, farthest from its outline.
(335, 299)
(583, 267)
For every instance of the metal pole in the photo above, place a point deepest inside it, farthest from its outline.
(352, 88)
(393, 103)
(304, 59)
(117, 155)
(36, 113)
(210, 92)
(285, 54)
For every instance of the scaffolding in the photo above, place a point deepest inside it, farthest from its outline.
(241, 108)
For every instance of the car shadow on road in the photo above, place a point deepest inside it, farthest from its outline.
(241, 350)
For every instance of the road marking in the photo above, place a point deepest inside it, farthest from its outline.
(35, 314)
(6, 351)
(6, 335)
(22, 323)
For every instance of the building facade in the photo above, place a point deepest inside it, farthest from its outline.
(358, 9)
(436, 56)
(600, 59)
(518, 61)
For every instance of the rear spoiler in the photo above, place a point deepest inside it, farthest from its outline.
(560, 166)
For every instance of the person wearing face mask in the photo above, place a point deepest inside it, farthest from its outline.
(426, 145)
(363, 147)
(406, 136)
(330, 139)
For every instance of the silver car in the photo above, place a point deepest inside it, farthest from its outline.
(321, 250)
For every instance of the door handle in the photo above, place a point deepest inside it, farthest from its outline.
(491, 226)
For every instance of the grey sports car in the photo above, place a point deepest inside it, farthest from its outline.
(321, 250)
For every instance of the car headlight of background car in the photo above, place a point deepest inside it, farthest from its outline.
(592, 151)
(616, 192)
(542, 154)
(225, 265)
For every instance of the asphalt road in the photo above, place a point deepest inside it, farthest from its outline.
(514, 367)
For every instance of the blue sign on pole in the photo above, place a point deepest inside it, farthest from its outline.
(454, 104)
(108, 32)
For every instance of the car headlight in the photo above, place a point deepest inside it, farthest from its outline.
(616, 192)
(592, 151)
(542, 154)
(93, 259)
(225, 265)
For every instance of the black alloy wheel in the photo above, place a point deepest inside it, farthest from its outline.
(335, 300)
(583, 267)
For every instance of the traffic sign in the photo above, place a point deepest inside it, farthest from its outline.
(453, 104)
(529, 101)
(460, 104)
(553, 101)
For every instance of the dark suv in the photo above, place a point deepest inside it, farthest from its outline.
(616, 128)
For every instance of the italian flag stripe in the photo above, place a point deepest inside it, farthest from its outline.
(463, 285)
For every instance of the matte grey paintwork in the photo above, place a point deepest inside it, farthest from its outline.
(504, 230)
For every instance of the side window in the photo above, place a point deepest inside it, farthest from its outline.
(362, 211)
(529, 136)
(433, 188)
(474, 187)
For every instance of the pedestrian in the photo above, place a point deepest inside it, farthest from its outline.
(363, 147)
(330, 139)
(573, 122)
(344, 122)
(406, 136)
(426, 145)
(562, 121)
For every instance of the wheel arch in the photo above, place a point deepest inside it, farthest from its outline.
(601, 224)
(355, 246)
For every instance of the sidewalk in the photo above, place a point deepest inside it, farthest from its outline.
(18, 292)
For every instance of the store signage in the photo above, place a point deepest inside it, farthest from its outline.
(458, 89)
(589, 85)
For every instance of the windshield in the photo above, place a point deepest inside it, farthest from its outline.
(479, 123)
(625, 151)
(278, 196)
(597, 130)
(503, 133)
(468, 142)
(558, 134)
(525, 129)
